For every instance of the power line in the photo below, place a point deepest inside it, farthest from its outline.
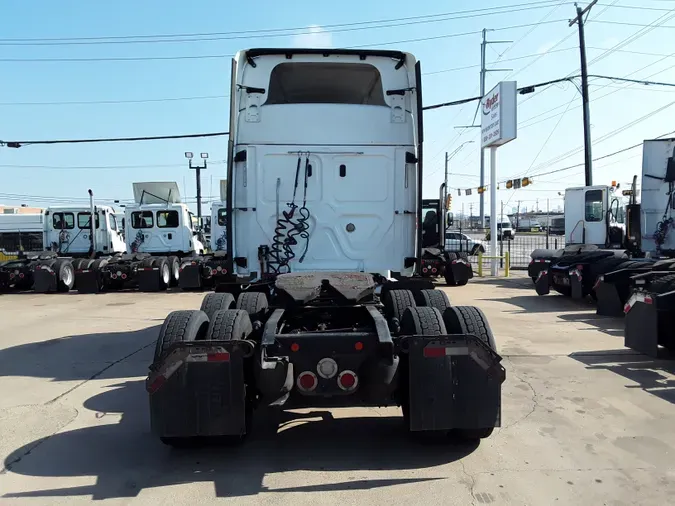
(197, 57)
(257, 34)
(18, 144)
(102, 167)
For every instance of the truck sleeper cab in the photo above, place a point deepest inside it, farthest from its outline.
(324, 236)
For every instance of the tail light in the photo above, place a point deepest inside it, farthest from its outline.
(123, 276)
(21, 275)
(113, 276)
(434, 270)
(307, 381)
(348, 380)
(424, 269)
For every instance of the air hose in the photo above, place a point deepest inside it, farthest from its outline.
(289, 227)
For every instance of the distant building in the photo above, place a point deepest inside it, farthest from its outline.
(20, 210)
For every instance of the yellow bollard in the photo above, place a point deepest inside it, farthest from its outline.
(507, 263)
(480, 264)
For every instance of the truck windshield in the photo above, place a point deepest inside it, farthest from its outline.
(325, 83)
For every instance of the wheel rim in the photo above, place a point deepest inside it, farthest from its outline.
(165, 274)
(67, 275)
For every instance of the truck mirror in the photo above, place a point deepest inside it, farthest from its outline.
(449, 219)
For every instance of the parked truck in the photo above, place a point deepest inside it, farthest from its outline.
(159, 234)
(620, 251)
(442, 257)
(208, 270)
(20, 234)
(324, 305)
(70, 243)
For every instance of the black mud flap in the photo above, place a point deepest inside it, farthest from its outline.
(454, 383)
(461, 271)
(641, 332)
(609, 302)
(650, 322)
(543, 283)
(148, 279)
(45, 280)
(536, 266)
(577, 283)
(88, 281)
(199, 390)
(190, 277)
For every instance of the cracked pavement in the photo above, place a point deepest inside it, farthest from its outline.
(584, 421)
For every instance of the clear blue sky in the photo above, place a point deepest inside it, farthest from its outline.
(544, 132)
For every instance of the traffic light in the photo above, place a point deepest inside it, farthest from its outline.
(481, 189)
(526, 181)
(448, 202)
(509, 184)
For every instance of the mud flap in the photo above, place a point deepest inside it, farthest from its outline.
(609, 302)
(650, 322)
(190, 277)
(577, 283)
(641, 332)
(148, 279)
(536, 266)
(460, 270)
(543, 283)
(88, 281)
(199, 390)
(45, 280)
(454, 383)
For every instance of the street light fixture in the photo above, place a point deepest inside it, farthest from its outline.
(188, 155)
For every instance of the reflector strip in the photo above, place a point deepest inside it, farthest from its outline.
(161, 379)
(219, 357)
(434, 351)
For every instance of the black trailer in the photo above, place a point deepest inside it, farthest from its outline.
(325, 339)
(650, 313)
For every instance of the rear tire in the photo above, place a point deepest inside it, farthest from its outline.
(253, 303)
(65, 275)
(432, 298)
(174, 269)
(214, 302)
(164, 272)
(181, 326)
(396, 302)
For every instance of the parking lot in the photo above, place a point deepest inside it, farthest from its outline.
(585, 421)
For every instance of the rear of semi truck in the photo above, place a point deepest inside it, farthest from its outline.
(323, 305)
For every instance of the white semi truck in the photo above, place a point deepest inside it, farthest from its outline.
(324, 303)
(159, 232)
(71, 244)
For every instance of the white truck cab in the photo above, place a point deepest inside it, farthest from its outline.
(67, 230)
(159, 223)
(324, 149)
(592, 213)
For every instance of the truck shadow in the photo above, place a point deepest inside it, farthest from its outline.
(517, 282)
(552, 303)
(78, 357)
(126, 458)
(654, 376)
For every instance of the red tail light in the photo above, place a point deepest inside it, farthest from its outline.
(307, 381)
(434, 270)
(124, 276)
(425, 269)
(114, 276)
(347, 380)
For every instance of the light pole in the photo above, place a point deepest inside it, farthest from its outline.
(197, 168)
(447, 162)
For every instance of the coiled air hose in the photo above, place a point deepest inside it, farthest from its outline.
(289, 227)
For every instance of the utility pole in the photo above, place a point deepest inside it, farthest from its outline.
(579, 20)
(518, 216)
(483, 73)
(198, 169)
(445, 187)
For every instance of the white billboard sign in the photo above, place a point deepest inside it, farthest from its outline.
(498, 121)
